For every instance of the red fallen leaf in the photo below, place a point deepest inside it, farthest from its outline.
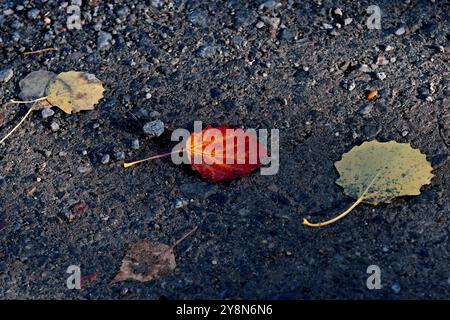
(77, 210)
(220, 153)
(221, 160)
(88, 279)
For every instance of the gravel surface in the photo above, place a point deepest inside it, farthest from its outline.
(303, 67)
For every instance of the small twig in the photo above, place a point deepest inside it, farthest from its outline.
(177, 242)
(38, 51)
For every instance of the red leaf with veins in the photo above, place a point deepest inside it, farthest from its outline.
(224, 153)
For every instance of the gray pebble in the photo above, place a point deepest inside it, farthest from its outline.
(105, 159)
(198, 19)
(119, 155)
(365, 68)
(244, 18)
(156, 3)
(154, 128)
(33, 13)
(206, 51)
(180, 203)
(34, 84)
(351, 86)
(155, 114)
(54, 126)
(47, 113)
(103, 40)
(381, 75)
(286, 35)
(270, 4)
(6, 75)
(135, 144)
(84, 169)
(48, 153)
(400, 31)
(396, 288)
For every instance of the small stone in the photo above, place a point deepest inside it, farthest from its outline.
(351, 86)
(270, 4)
(400, 31)
(154, 114)
(62, 153)
(33, 14)
(180, 203)
(135, 144)
(286, 35)
(214, 262)
(156, 3)
(327, 26)
(381, 75)
(84, 169)
(424, 92)
(34, 84)
(47, 113)
(54, 126)
(260, 24)
(448, 281)
(338, 11)
(405, 133)
(366, 110)
(244, 18)
(347, 21)
(48, 153)
(334, 33)
(103, 40)
(119, 155)
(154, 128)
(6, 75)
(381, 61)
(198, 19)
(365, 68)
(396, 288)
(148, 96)
(206, 51)
(388, 48)
(272, 22)
(105, 159)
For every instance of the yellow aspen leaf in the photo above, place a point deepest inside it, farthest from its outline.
(378, 172)
(74, 91)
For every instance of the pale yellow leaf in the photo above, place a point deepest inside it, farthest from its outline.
(74, 91)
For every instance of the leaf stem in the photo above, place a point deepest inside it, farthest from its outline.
(18, 125)
(162, 155)
(343, 214)
(28, 101)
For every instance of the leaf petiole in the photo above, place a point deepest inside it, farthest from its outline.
(18, 125)
(129, 164)
(343, 214)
